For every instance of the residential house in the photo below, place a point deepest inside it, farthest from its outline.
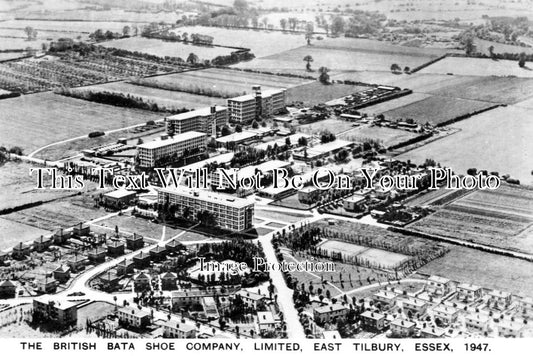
(168, 281)
(20, 251)
(141, 260)
(469, 292)
(141, 282)
(77, 263)
(62, 274)
(329, 313)
(432, 333)
(402, 328)
(158, 253)
(109, 281)
(439, 286)
(115, 248)
(97, 255)
(62, 313)
(46, 285)
(177, 330)
(80, 230)
(266, 321)
(133, 317)
(500, 300)
(42, 243)
(372, 321)
(134, 242)
(384, 299)
(251, 299)
(508, 328)
(8, 289)
(445, 314)
(477, 321)
(125, 267)
(413, 307)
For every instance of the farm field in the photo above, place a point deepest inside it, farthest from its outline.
(61, 118)
(483, 47)
(165, 48)
(387, 136)
(436, 110)
(478, 66)
(261, 43)
(20, 43)
(79, 14)
(73, 27)
(376, 256)
(19, 186)
(394, 104)
(487, 149)
(485, 269)
(13, 232)
(505, 90)
(436, 197)
(167, 98)
(43, 35)
(55, 215)
(225, 80)
(316, 93)
(489, 217)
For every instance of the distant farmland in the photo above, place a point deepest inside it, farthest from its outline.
(478, 66)
(60, 118)
(499, 218)
(436, 110)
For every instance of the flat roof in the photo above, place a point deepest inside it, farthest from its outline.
(468, 287)
(330, 308)
(120, 193)
(281, 141)
(403, 323)
(177, 138)
(264, 94)
(438, 279)
(64, 304)
(134, 311)
(372, 315)
(223, 158)
(445, 309)
(212, 197)
(355, 198)
(265, 317)
(236, 137)
(195, 113)
(328, 147)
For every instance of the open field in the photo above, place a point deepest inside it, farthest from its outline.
(483, 47)
(12, 232)
(42, 35)
(394, 104)
(225, 80)
(488, 148)
(60, 118)
(478, 66)
(436, 197)
(73, 27)
(80, 13)
(485, 269)
(283, 217)
(166, 98)
(261, 43)
(436, 110)
(315, 93)
(387, 136)
(93, 311)
(19, 187)
(504, 90)
(55, 215)
(335, 126)
(489, 217)
(166, 48)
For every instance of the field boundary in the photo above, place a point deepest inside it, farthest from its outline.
(427, 64)
(468, 115)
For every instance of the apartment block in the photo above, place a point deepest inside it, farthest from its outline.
(151, 154)
(63, 313)
(246, 108)
(205, 120)
(230, 213)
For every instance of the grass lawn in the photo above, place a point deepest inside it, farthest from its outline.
(387, 136)
(485, 269)
(293, 202)
(94, 311)
(32, 121)
(281, 217)
(316, 93)
(13, 232)
(275, 225)
(478, 66)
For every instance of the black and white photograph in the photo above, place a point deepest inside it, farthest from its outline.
(266, 176)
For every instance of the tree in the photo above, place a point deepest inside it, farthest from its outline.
(406, 70)
(225, 131)
(324, 76)
(238, 128)
(308, 59)
(16, 150)
(309, 30)
(395, 68)
(255, 22)
(240, 5)
(522, 60)
(30, 32)
(469, 45)
(283, 24)
(264, 20)
(255, 125)
(126, 31)
(337, 26)
(192, 58)
(491, 51)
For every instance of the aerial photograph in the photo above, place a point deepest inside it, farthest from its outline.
(266, 169)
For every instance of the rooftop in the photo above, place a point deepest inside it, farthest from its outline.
(120, 193)
(329, 308)
(328, 147)
(373, 315)
(264, 93)
(195, 113)
(62, 305)
(469, 287)
(265, 318)
(403, 323)
(237, 137)
(438, 279)
(210, 197)
(134, 311)
(169, 141)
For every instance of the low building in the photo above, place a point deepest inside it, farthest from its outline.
(439, 286)
(20, 251)
(141, 282)
(133, 317)
(266, 321)
(309, 195)
(432, 333)
(42, 243)
(115, 248)
(46, 285)
(402, 328)
(8, 289)
(158, 253)
(168, 280)
(446, 315)
(175, 329)
(526, 304)
(97, 255)
(174, 246)
(188, 298)
(384, 299)
(125, 267)
(62, 313)
(77, 263)
(157, 152)
(251, 299)
(119, 198)
(477, 321)
(354, 203)
(308, 154)
(511, 328)
(499, 299)
(60, 237)
(81, 230)
(469, 292)
(372, 321)
(4, 256)
(233, 140)
(62, 274)
(134, 242)
(141, 260)
(109, 281)
(329, 313)
(414, 307)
